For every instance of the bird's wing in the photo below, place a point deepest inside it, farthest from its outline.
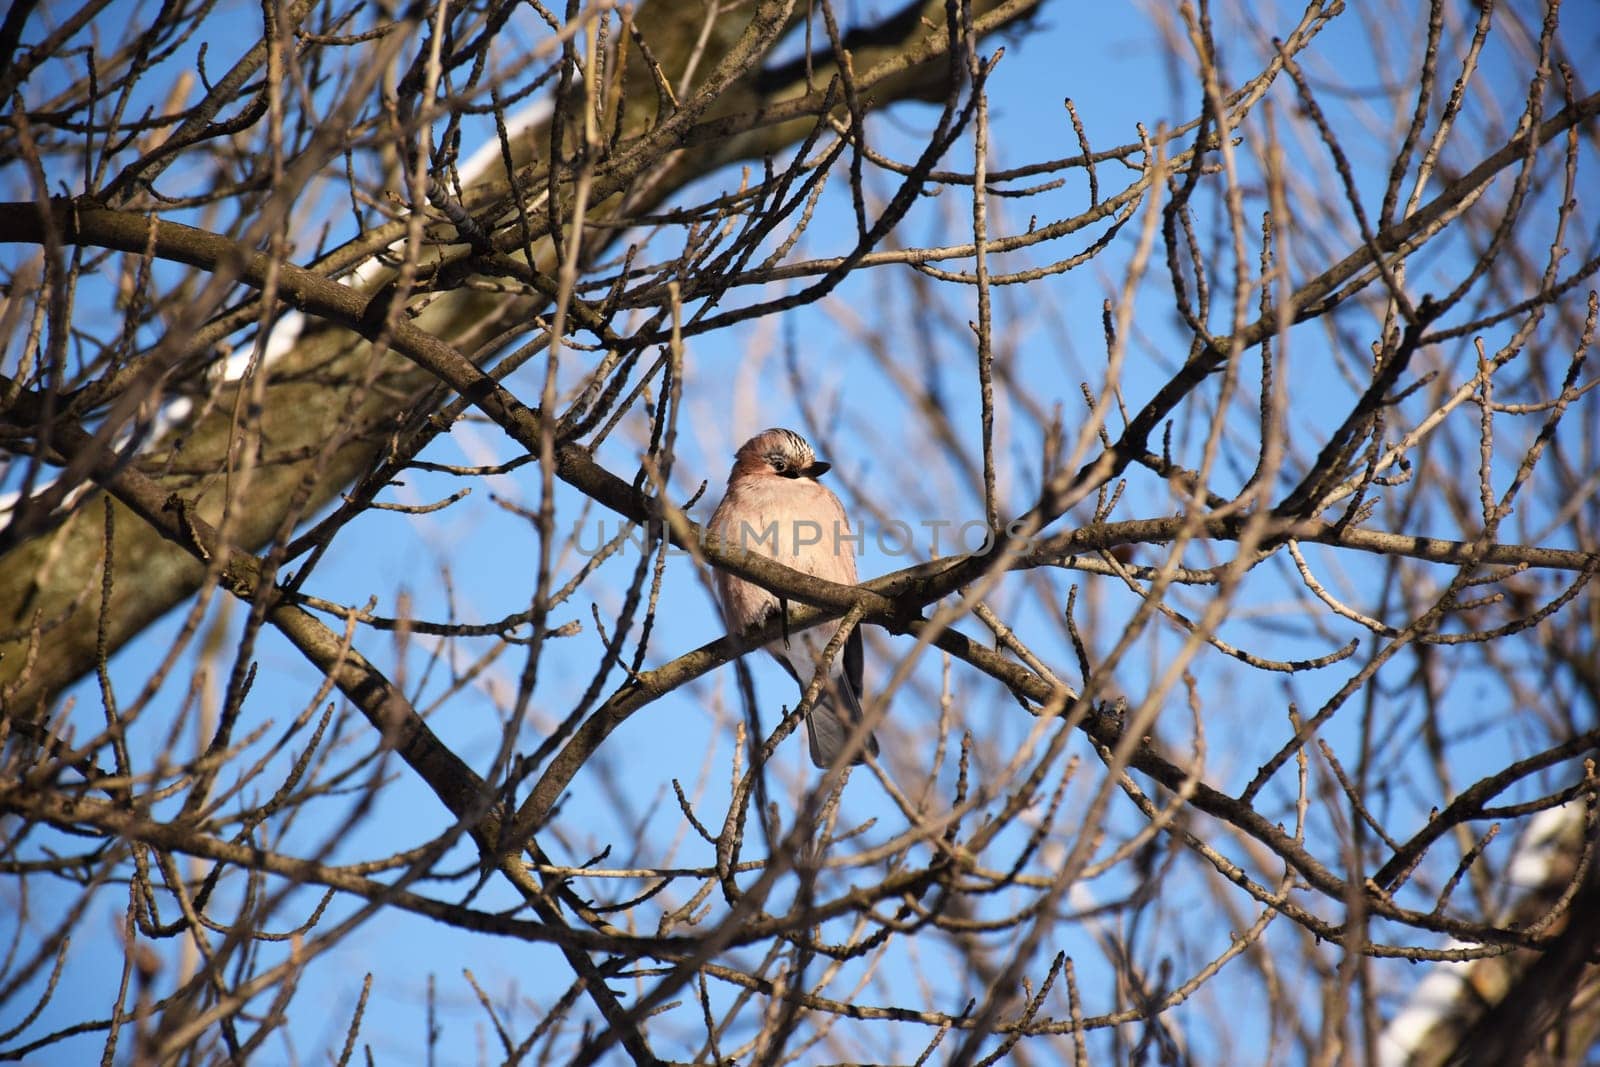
(852, 661)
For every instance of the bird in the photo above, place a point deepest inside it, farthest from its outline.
(774, 505)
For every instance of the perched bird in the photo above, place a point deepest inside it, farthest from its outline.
(775, 506)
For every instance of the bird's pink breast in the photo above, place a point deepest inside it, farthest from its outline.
(775, 517)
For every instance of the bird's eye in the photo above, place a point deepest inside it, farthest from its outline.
(778, 463)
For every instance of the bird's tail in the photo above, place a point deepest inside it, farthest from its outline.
(832, 718)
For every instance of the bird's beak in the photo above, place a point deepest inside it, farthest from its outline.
(818, 469)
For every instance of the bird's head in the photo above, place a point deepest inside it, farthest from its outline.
(779, 452)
